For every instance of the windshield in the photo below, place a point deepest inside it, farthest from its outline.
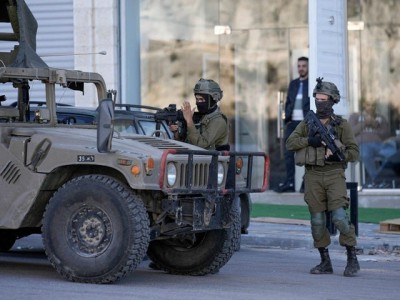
(145, 127)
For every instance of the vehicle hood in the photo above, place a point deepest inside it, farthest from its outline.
(64, 145)
(74, 138)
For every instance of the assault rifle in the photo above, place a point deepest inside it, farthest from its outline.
(170, 114)
(173, 116)
(315, 125)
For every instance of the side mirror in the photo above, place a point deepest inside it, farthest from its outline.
(105, 126)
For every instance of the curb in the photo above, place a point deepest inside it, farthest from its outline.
(291, 234)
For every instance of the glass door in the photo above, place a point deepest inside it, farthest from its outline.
(255, 68)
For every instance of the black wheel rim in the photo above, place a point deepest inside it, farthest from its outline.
(89, 232)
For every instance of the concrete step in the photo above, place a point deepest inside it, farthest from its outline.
(390, 226)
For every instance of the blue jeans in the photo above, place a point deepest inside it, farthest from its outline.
(289, 155)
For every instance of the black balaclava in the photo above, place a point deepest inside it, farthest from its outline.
(208, 106)
(324, 108)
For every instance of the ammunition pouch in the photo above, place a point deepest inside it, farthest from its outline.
(310, 156)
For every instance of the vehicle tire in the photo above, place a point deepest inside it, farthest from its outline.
(197, 254)
(245, 212)
(237, 237)
(95, 230)
(6, 241)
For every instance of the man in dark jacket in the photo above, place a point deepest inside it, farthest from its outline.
(296, 107)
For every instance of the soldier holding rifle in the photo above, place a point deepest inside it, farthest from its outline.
(324, 145)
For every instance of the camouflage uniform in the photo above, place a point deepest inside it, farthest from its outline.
(211, 131)
(324, 179)
(210, 127)
(325, 186)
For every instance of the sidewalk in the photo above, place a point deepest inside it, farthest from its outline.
(290, 234)
(366, 198)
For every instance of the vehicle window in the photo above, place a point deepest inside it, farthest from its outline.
(127, 127)
(149, 127)
(74, 118)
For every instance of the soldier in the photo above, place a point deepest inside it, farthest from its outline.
(206, 128)
(325, 182)
(211, 131)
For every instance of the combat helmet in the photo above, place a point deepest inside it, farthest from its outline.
(327, 88)
(209, 87)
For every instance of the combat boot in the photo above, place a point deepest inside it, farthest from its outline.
(325, 267)
(352, 266)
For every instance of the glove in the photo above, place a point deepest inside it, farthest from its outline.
(315, 141)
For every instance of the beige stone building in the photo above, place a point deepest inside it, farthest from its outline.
(157, 49)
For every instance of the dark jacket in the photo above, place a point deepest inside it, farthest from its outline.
(291, 98)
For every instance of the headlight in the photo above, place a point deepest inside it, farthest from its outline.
(221, 173)
(171, 173)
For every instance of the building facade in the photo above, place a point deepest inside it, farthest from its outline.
(157, 50)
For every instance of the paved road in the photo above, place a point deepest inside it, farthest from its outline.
(255, 272)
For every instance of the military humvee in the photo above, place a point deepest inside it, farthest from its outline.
(103, 200)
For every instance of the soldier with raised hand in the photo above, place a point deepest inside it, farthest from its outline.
(208, 128)
(324, 179)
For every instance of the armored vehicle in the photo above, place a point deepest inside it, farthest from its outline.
(103, 200)
(133, 118)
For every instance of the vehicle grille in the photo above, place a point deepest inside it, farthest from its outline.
(199, 177)
(10, 173)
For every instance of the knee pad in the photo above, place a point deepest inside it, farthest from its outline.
(318, 225)
(341, 220)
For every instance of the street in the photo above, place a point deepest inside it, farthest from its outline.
(252, 273)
